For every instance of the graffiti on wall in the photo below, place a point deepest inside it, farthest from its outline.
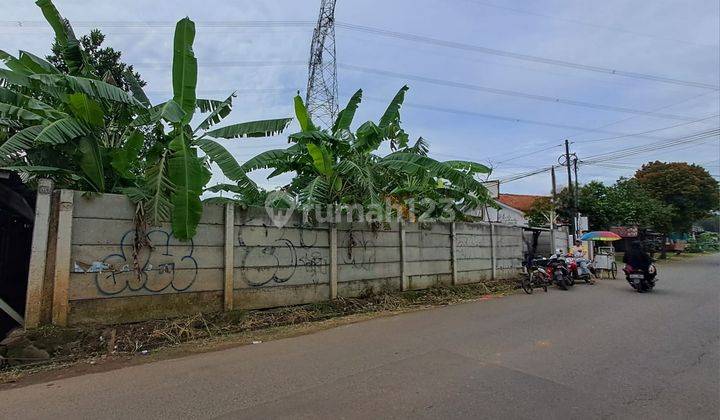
(168, 263)
(472, 240)
(280, 261)
(358, 250)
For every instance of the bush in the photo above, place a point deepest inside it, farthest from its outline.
(704, 242)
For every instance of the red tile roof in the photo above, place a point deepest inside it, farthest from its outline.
(521, 202)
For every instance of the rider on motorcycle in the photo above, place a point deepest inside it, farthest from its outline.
(579, 254)
(637, 258)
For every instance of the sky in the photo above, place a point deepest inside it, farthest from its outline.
(448, 103)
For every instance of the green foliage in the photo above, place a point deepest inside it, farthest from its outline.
(106, 62)
(345, 116)
(77, 123)
(72, 54)
(124, 158)
(301, 113)
(541, 212)
(189, 177)
(263, 128)
(86, 109)
(339, 166)
(704, 242)
(91, 162)
(82, 118)
(690, 189)
(626, 203)
(184, 68)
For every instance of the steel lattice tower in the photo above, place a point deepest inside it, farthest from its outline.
(322, 88)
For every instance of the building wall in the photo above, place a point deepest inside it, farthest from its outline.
(246, 262)
(544, 245)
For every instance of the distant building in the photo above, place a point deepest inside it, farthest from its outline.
(512, 207)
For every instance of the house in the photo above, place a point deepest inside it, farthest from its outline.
(512, 207)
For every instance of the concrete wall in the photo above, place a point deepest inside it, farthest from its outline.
(239, 259)
(544, 247)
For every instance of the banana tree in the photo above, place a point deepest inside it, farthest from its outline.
(64, 126)
(341, 166)
(177, 177)
(90, 135)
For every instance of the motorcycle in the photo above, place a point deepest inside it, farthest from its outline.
(577, 273)
(640, 280)
(556, 270)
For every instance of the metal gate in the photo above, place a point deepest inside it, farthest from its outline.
(17, 205)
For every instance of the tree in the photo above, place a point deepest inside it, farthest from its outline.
(93, 136)
(541, 212)
(105, 60)
(339, 166)
(622, 204)
(690, 190)
(628, 203)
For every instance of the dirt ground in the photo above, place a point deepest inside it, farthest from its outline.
(88, 349)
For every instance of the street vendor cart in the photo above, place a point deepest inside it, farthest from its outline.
(604, 260)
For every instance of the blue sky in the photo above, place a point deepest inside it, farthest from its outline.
(675, 39)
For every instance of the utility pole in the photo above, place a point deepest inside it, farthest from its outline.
(322, 88)
(552, 209)
(570, 188)
(577, 195)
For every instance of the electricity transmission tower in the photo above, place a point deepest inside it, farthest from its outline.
(322, 89)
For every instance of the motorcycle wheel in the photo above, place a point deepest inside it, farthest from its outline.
(527, 283)
(562, 283)
(570, 281)
(544, 284)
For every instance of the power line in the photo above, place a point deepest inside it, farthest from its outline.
(248, 63)
(516, 177)
(160, 23)
(495, 116)
(385, 33)
(461, 85)
(630, 151)
(646, 132)
(598, 129)
(524, 57)
(534, 152)
(542, 147)
(624, 152)
(653, 110)
(586, 23)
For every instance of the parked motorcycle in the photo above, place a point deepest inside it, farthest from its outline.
(556, 270)
(640, 280)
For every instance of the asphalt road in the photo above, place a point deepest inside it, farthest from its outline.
(594, 351)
